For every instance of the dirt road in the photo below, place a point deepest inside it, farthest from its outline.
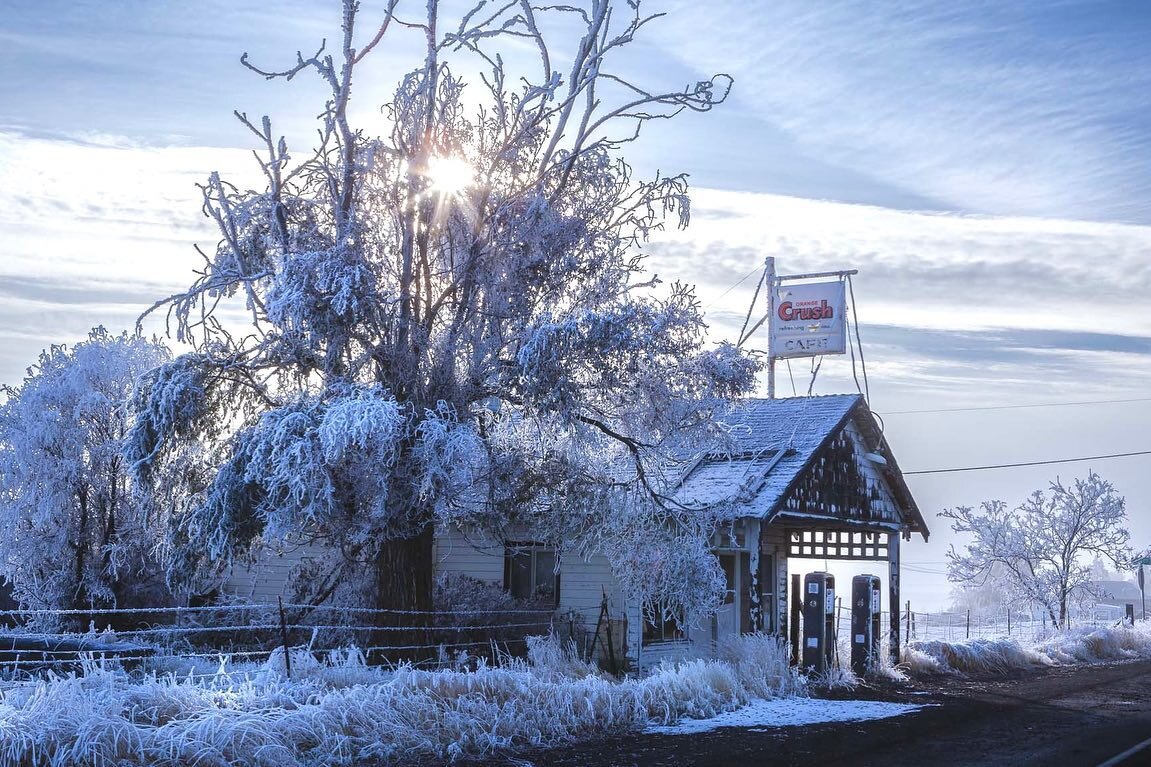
(1081, 715)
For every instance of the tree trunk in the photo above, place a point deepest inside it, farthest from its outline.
(404, 585)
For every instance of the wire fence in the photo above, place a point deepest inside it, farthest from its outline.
(917, 625)
(151, 638)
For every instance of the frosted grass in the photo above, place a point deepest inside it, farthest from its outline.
(342, 712)
(1085, 645)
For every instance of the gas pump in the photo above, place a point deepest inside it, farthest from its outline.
(818, 621)
(865, 622)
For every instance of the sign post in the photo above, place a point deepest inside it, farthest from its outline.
(806, 316)
(808, 320)
(1142, 593)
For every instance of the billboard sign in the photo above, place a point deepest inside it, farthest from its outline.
(809, 320)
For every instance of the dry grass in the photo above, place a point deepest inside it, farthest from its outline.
(341, 712)
(989, 656)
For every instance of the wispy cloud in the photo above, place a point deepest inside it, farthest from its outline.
(93, 230)
(928, 269)
(1008, 108)
(944, 301)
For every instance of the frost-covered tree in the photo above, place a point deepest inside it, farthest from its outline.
(73, 537)
(992, 594)
(449, 323)
(1043, 546)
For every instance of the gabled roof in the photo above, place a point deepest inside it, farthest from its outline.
(772, 441)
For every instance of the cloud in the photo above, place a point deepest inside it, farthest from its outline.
(1004, 108)
(928, 270)
(80, 208)
(950, 306)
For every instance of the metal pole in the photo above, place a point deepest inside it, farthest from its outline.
(769, 282)
(893, 594)
(796, 611)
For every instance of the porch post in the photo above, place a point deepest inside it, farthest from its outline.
(793, 619)
(893, 593)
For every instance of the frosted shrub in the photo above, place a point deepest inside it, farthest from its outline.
(550, 658)
(694, 689)
(1084, 645)
(980, 656)
(1089, 645)
(473, 613)
(834, 678)
(883, 668)
(762, 664)
(920, 663)
(340, 712)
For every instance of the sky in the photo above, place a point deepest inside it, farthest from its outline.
(985, 166)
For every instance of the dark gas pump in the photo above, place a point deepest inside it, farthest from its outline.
(865, 622)
(818, 621)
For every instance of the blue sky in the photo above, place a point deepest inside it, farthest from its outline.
(985, 165)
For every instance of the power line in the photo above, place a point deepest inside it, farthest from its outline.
(1020, 407)
(737, 283)
(1028, 463)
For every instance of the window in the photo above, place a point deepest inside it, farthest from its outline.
(530, 573)
(661, 629)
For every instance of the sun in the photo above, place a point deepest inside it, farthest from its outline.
(450, 175)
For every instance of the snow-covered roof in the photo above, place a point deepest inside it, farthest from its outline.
(772, 441)
(1118, 590)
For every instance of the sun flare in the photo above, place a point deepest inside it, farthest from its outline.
(450, 175)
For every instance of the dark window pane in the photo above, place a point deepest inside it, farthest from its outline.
(520, 572)
(727, 562)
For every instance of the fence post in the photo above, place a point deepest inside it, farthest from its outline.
(838, 614)
(907, 634)
(610, 642)
(1008, 621)
(284, 640)
(968, 624)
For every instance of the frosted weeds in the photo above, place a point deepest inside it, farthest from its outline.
(1086, 645)
(341, 712)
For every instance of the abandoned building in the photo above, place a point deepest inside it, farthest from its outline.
(809, 477)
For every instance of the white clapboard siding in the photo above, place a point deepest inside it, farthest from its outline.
(469, 552)
(269, 577)
(582, 587)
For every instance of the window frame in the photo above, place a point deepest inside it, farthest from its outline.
(531, 549)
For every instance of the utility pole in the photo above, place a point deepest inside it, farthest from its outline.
(1142, 593)
(769, 281)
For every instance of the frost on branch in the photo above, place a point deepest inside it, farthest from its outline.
(74, 535)
(1044, 543)
(416, 351)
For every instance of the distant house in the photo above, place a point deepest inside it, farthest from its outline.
(809, 477)
(1117, 593)
(1111, 599)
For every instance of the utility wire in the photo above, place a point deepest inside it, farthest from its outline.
(735, 285)
(1028, 463)
(1020, 407)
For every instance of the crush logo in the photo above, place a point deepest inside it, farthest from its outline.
(789, 312)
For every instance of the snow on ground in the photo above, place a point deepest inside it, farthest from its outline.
(789, 712)
(1084, 645)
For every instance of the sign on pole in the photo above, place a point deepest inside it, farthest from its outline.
(1142, 593)
(808, 320)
